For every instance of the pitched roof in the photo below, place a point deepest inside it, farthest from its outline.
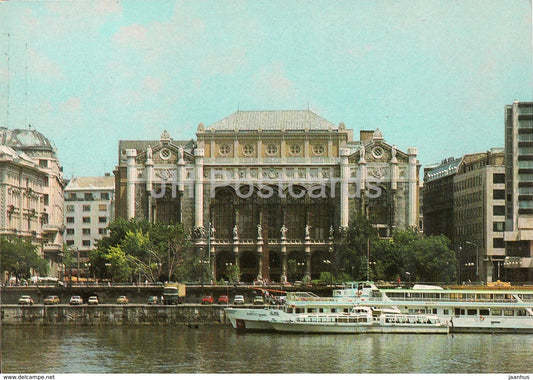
(85, 183)
(272, 120)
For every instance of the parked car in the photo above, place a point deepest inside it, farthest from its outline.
(258, 300)
(153, 300)
(51, 300)
(207, 300)
(122, 300)
(25, 300)
(223, 299)
(93, 300)
(238, 300)
(76, 300)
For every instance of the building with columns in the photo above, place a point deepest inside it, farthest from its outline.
(268, 191)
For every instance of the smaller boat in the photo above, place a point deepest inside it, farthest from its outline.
(360, 320)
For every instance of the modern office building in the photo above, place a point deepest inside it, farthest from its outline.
(89, 207)
(259, 188)
(31, 192)
(519, 190)
(464, 200)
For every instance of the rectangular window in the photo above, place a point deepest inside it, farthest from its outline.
(70, 231)
(104, 196)
(70, 242)
(88, 196)
(70, 208)
(43, 163)
(86, 231)
(498, 194)
(102, 219)
(498, 243)
(70, 219)
(102, 207)
(498, 210)
(102, 231)
(86, 219)
(86, 243)
(46, 200)
(498, 226)
(498, 178)
(86, 207)
(72, 196)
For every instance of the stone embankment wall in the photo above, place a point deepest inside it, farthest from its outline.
(108, 315)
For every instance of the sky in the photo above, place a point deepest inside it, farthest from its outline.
(431, 74)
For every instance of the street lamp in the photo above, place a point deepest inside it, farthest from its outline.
(409, 277)
(477, 258)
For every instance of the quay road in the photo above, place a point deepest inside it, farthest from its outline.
(139, 293)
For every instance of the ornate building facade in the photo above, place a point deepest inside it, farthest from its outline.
(31, 192)
(261, 189)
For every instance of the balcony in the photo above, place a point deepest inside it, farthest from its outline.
(51, 247)
(49, 228)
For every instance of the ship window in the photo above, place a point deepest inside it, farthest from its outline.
(521, 313)
(446, 311)
(346, 310)
(311, 310)
(299, 310)
(472, 312)
(333, 310)
(320, 310)
(508, 313)
(483, 311)
(496, 312)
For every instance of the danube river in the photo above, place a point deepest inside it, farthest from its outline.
(215, 349)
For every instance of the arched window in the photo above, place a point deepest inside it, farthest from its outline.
(224, 213)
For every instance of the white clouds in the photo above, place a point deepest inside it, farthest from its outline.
(43, 68)
(273, 86)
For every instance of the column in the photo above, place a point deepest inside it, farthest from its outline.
(149, 165)
(413, 186)
(131, 178)
(198, 187)
(345, 173)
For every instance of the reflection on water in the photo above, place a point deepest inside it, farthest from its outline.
(160, 349)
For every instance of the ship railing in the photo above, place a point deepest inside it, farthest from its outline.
(451, 299)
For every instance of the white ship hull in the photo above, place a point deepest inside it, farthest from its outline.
(492, 324)
(318, 328)
(252, 319)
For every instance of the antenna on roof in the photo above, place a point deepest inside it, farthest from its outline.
(8, 43)
(26, 85)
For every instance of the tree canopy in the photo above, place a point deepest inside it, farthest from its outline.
(19, 257)
(426, 258)
(153, 251)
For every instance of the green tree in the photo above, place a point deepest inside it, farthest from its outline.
(19, 257)
(357, 241)
(157, 252)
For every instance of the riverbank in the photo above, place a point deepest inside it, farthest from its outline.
(113, 315)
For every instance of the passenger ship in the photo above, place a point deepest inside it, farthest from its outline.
(465, 310)
(362, 319)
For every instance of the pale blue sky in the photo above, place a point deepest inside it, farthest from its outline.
(432, 74)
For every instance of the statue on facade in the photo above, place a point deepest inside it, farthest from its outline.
(259, 231)
(149, 153)
(235, 232)
(362, 152)
(212, 231)
(180, 153)
(393, 152)
(331, 232)
(284, 232)
(307, 230)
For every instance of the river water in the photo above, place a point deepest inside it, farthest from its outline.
(216, 349)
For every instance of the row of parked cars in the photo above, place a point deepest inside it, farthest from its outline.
(224, 299)
(74, 300)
